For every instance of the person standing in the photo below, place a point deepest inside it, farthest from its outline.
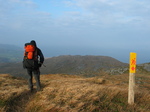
(33, 60)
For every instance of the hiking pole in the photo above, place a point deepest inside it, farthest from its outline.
(41, 63)
(44, 65)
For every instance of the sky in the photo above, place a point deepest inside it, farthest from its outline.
(79, 27)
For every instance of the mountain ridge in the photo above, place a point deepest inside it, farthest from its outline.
(68, 64)
(88, 66)
(77, 64)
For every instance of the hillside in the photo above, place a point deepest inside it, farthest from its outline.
(67, 64)
(69, 93)
(88, 66)
(10, 53)
(77, 64)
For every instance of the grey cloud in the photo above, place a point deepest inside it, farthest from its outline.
(110, 11)
(21, 15)
(98, 19)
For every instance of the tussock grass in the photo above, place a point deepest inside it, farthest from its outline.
(68, 93)
(11, 89)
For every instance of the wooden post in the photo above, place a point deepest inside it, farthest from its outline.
(131, 88)
(131, 91)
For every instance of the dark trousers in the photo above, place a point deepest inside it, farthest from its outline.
(36, 74)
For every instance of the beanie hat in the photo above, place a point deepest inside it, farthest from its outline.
(33, 43)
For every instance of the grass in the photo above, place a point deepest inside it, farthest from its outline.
(68, 93)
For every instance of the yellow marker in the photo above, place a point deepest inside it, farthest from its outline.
(132, 62)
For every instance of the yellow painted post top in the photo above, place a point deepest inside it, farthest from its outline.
(132, 62)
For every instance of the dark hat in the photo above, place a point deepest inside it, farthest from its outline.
(33, 43)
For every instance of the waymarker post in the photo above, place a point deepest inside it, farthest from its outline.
(132, 71)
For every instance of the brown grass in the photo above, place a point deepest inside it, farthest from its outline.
(67, 93)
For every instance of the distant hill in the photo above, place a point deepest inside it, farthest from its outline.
(10, 53)
(76, 65)
(68, 64)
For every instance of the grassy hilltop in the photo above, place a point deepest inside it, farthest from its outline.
(69, 93)
(73, 65)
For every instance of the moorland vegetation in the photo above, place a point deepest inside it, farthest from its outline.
(70, 93)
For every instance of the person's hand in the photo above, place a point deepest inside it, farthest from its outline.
(40, 64)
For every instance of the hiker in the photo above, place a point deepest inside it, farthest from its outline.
(32, 62)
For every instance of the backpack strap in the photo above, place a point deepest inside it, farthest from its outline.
(36, 54)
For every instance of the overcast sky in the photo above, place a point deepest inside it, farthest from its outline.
(79, 27)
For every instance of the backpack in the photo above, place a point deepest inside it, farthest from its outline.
(30, 56)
